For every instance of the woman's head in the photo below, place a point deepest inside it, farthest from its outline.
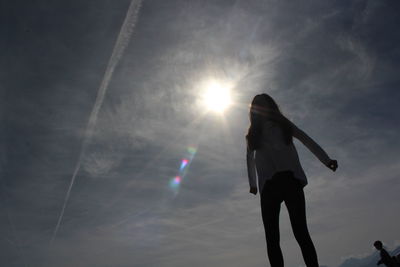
(264, 107)
(263, 104)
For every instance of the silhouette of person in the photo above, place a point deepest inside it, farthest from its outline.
(273, 158)
(385, 257)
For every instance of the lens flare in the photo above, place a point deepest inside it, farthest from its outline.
(175, 182)
(192, 150)
(184, 163)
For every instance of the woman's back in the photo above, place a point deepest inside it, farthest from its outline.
(272, 135)
(275, 155)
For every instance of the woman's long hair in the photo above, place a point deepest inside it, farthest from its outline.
(263, 107)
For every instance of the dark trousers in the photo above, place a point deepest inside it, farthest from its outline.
(285, 188)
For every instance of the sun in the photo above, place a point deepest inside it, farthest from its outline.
(217, 96)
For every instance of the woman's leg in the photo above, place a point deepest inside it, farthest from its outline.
(295, 204)
(270, 208)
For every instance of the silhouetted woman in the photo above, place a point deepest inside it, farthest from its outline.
(272, 157)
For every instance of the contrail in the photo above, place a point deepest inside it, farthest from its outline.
(119, 48)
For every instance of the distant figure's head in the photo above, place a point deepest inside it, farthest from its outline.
(263, 107)
(378, 245)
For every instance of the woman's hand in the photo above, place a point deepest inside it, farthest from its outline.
(332, 164)
(253, 190)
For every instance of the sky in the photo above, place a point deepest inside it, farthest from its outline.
(122, 108)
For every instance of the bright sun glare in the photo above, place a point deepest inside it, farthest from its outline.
(217, 96)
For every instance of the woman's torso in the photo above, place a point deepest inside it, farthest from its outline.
(275, 155)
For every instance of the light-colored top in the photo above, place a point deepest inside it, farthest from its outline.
(274, 155)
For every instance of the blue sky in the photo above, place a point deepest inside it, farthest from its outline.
(332, 66)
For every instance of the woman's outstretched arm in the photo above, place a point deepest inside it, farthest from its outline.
(251, 170)
(314, 148)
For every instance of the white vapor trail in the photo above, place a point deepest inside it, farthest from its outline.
(119, 48)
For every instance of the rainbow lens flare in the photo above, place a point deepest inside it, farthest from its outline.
(184, 162)
(192, 150)
(175, 182)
